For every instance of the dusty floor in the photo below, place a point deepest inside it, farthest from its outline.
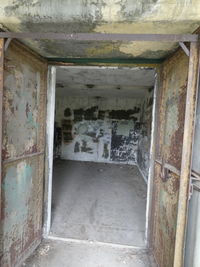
(100, 202)
(69, 254)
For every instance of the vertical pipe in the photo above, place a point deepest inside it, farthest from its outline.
(1, 108)
(190, 111)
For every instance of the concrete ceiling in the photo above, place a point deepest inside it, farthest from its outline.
(102, 16)
(103, 82)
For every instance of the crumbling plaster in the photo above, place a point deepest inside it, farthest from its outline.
(112, 16)
(97, 129)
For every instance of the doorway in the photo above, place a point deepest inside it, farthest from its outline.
(99, 164)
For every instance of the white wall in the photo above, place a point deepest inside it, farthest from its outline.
(99, 135)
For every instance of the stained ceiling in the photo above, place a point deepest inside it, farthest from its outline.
(103, 81)
(101, 16)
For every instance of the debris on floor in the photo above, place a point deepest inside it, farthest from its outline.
(74, 254)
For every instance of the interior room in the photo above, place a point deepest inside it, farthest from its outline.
(100, 133)
(102, 138)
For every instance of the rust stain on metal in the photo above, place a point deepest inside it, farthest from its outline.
(170, 126)
(24, 110)
(190, 112)
(1, 107)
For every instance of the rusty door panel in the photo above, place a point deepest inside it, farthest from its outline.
(1, 106)
(24, 108)
(175, 71)
(22, 193)
(23, 95)
(165, 221)
(169, 136)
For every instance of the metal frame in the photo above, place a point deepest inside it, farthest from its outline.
(193, 74)
(180, 38)
(113, 60)
(185, 49)
(102, 36)
(49, 149)
(49, 153)
(185, 176)
(1, 109)
(151, 167)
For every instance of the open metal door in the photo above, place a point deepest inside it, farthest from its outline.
(1, 109)
(174, 136)
(24, 105)
(192, 255)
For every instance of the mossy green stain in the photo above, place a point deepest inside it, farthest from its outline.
(30, 121)
(16, 187)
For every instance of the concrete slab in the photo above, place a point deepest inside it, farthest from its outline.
(100, 202)
(53, 253)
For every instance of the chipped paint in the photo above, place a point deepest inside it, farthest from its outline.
(21, 224)
(170, 125)
(20, 108)
(23, 135)
(146, 49)
(124, 142)
(96, 129)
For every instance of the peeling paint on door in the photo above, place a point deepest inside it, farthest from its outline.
(23, 159)
(169, 136)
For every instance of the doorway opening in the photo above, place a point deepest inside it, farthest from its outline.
(100, 158)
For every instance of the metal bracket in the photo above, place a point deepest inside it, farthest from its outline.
(185, 49)
(7, 42)
(193, 185)
(166, 169)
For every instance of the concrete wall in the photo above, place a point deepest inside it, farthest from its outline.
(97, 129)
(113, 16)
(23, 138)
(144, 141)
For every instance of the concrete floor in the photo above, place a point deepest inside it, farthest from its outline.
(53, 253)
(98, 201)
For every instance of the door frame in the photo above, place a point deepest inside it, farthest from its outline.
(151, 166)
(187, 147)
(1, 109)
(188, 140)
(51, 89)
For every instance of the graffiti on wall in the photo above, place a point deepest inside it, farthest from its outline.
(97, 134)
